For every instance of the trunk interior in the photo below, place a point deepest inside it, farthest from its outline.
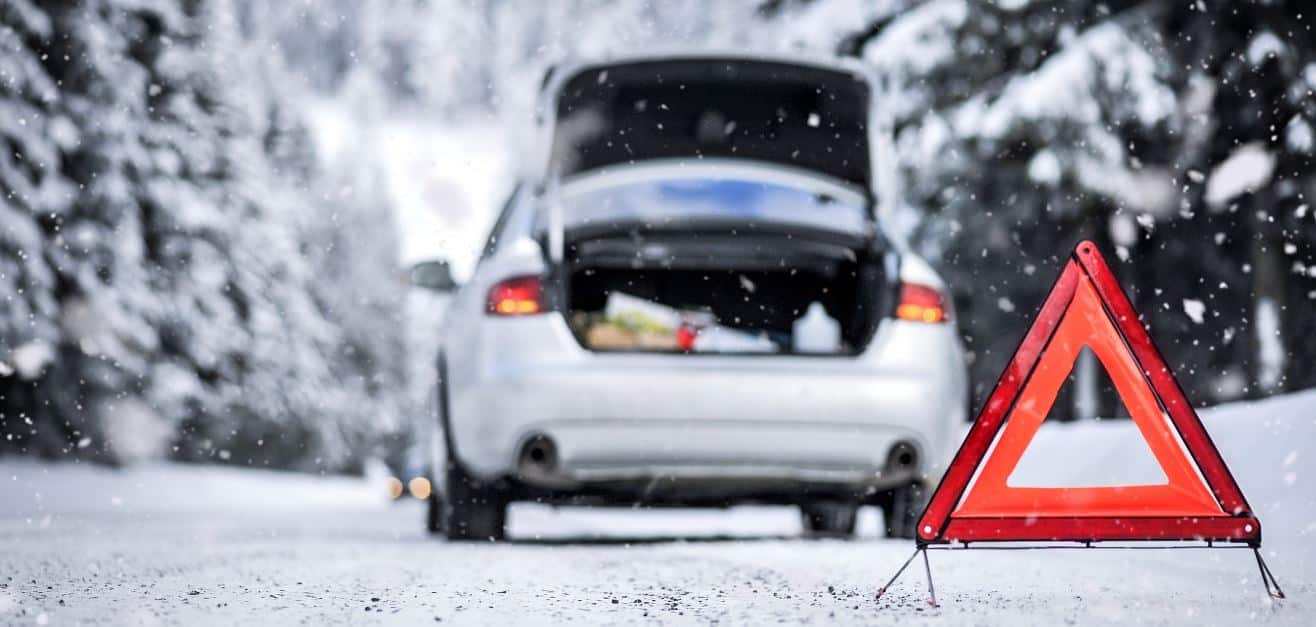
(724, 293)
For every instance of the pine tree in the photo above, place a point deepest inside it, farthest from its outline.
(180, 291)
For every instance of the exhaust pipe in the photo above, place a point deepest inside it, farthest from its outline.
(902, 461)
(538, 457)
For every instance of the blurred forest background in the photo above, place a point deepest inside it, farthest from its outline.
(201, 215)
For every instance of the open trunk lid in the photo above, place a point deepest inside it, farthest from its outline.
(788, 114)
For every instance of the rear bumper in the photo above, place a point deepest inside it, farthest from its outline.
(706, 423)
(693, 452)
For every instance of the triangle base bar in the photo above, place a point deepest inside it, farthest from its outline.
(1085, 529)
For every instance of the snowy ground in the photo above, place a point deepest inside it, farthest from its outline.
(187, 545)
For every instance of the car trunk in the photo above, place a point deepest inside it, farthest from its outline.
(722, 292)
(716, 205)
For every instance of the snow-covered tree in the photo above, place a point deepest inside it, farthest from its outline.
(1175, 134)
(181, 283)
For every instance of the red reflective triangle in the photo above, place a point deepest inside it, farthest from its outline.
(1200, 499)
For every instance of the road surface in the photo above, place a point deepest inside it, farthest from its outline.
(188, 545)
(376, 566)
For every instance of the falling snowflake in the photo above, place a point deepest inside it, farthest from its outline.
(1194, 309)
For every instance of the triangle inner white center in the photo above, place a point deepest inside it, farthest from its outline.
(1088, 453)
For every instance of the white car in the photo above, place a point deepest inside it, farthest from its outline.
(694, 302)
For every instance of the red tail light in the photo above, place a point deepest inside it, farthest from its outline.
(517, 296)
(921, 303)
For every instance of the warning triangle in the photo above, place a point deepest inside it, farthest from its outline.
(1199, 500)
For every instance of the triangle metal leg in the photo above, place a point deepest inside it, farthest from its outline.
(1267, 578)
(927, 569)
(932, 592)
(881, 591)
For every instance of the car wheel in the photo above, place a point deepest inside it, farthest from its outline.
(434, 513)
(901, 511)
(476, 510)
(829, 520)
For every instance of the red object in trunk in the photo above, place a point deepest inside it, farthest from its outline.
(686, 336)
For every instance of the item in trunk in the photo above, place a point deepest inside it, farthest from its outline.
(628, 323)
(816, 332)
(643, 313)
(720, 339)
(610, 336)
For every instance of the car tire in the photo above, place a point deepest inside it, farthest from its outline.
(434, 519)
(829, 520)
(901, 510)
(476, 510)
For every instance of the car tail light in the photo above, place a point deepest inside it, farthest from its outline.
(517, 296)
(921, 303)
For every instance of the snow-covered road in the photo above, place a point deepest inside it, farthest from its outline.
(367, 567)
(194, 546)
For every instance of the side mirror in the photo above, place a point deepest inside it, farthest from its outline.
(432, 275)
